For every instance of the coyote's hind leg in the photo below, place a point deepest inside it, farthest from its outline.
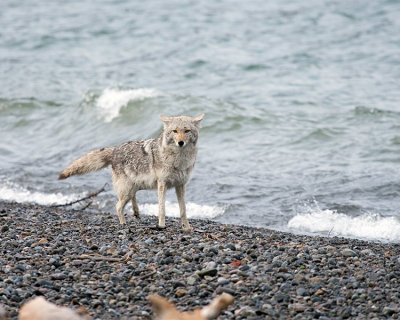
(123, 200)
(135, 207)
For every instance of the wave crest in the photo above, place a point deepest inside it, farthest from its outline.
(366, 226)
(194, 210)
(19, 194)
(112, 100)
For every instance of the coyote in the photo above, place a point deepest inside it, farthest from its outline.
(161, 163)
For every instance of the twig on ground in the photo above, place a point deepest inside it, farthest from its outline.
(98, 258)
(86, 206)
(147, 275)
(91, 195)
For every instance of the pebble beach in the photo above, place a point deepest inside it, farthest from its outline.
(86, 261)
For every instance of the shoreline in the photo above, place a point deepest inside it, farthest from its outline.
(87, 262)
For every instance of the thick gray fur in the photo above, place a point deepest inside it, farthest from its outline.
(161, 163)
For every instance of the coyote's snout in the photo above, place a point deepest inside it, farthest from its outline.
(161, 163)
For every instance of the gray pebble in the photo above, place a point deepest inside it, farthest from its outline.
(222, 281)
(348, 253)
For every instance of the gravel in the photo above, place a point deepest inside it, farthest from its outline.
(87, 262)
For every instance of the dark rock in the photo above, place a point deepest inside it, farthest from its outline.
(45, 283)
(302, 292)
(221, 290)
(207, 272)
(281, 298)
(19, 268)
(58, 276)
(94, 247)
(348, 253)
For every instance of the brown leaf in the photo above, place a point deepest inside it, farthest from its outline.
(236, 263)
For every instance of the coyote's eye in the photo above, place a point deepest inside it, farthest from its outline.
(175, 131)
(187, 131)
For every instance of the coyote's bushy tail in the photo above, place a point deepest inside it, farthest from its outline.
(93, 161)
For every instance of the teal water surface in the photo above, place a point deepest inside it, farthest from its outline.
(301, 102)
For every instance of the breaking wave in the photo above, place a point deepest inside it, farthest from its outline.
(366, 226)
(193, 210)
(21, 195)
(112, 100)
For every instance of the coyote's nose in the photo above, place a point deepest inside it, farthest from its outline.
(181, 143)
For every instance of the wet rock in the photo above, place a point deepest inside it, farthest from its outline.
(298, 307)
(45, 283)
(191, 281)
(3, 313)
(244, 312)
(94, 247)
(180, 292)
(390, 310)
(19, 268)
(302, 292)
(207, 272)
(221, 290)
(58, 276)
(348, 253)
(222, 281)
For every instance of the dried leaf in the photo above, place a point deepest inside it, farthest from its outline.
(236, 263)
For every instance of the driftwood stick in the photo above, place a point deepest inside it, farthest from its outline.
(147, 275)
(91, 195)
(99, 258)
(86, 206)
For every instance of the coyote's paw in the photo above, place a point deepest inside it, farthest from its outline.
(122, 221)
(157, 227)
(124, 228)
(187, 228)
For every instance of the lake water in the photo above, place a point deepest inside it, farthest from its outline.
(302, 124)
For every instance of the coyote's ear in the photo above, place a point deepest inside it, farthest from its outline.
(165, 119)
(196, 120)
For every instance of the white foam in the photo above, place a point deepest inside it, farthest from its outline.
(193, 210)
(366, 226)
(20, 194)
(112, 100)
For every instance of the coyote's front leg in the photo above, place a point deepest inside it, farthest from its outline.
(161, 204)
(180, 194)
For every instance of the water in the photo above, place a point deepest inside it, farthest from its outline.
(302, 125)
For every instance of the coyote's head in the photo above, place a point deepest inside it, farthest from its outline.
(181, 131)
